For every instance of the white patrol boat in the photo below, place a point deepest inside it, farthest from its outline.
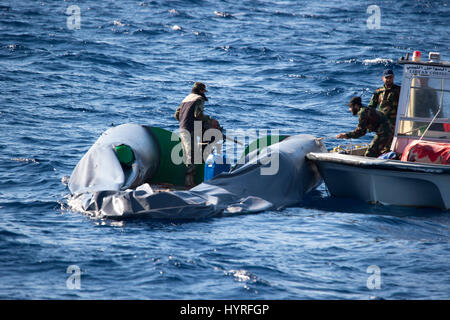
(421, 176)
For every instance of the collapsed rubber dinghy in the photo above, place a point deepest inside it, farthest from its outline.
(104, 166)
(275, 177)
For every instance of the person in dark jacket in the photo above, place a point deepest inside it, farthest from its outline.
(188, 114)
(387, 97)
(371, 120)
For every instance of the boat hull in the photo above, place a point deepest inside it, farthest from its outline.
(385, 181)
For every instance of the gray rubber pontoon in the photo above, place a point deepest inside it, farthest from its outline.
(100, 168)
(277, 177)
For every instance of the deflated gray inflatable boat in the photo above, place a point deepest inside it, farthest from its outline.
(275, 177)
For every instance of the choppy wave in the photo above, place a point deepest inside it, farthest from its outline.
(378, 61)
(286, 65)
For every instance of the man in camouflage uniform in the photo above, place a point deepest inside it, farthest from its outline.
(190, 114)
(386, 98)
(373, 121)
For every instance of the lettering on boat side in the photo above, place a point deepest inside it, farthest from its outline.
(430, 71)
(228, 309)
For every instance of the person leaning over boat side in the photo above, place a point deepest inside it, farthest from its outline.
(373, 121)
(189, 112)
(386, 98)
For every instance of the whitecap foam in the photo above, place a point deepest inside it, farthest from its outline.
(222, 14)
(377, 61)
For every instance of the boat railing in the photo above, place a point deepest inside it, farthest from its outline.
(352, 149)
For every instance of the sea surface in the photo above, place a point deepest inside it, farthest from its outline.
(70, 73)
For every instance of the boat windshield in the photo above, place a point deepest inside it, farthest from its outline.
(428, 108)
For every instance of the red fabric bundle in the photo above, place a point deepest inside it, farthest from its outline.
(446, 127)
(427, 152)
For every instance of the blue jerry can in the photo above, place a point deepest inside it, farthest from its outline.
(215, 164)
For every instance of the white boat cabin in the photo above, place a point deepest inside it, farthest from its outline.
(424, 105)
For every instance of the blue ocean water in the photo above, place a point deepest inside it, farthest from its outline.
(287, 65)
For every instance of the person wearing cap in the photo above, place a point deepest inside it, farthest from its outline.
(188, 113)
(386, 98)
(371, 120)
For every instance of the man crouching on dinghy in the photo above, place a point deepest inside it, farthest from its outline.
(188, 113)
(374, 121)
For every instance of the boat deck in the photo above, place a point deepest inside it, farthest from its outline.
(385, 164)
